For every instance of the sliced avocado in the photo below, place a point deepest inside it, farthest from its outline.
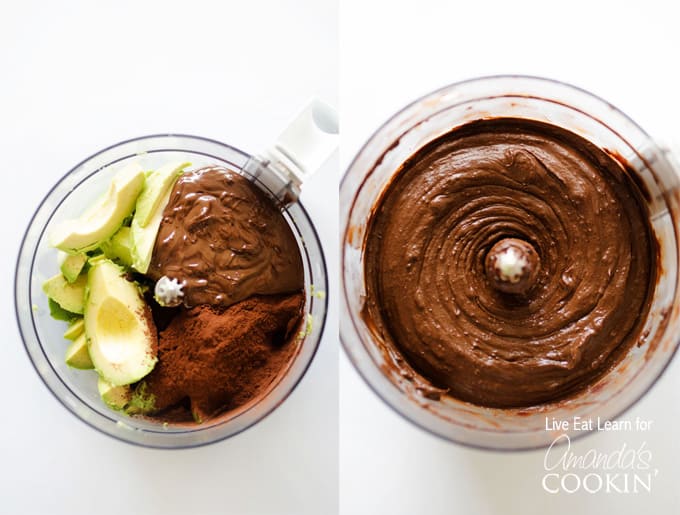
(102, 220)
(115, 397)
(74, 330)
(141, 401)
(157, 183)
(144, 238)
(95, 258)
(72, 266)
(119, 247)
(69, 296)
(59, 313)
(61, 257)
(77, 355)
(122, 336)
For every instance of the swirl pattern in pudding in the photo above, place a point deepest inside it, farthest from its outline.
(427, 283)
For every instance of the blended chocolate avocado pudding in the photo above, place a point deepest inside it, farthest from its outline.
(510, 262)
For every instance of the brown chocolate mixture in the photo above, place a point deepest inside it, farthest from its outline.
(586, 237)
(243, 297)
(213, 359)
(225, 239)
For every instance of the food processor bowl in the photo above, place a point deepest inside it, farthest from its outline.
(42, 335)
(436, 114)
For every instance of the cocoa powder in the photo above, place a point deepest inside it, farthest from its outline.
(213, 359)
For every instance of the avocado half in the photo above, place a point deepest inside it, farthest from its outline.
(122, 338)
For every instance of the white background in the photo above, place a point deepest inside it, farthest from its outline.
(394, 52)
(78, 76)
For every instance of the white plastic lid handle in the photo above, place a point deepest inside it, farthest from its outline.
(310, 139)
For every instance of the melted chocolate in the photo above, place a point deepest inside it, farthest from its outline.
(226, 240)
(432, 299)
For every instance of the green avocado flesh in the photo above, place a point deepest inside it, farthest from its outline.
(115, 397)
(102, 220)
(157, 183)
(69, 296)
(77, 355)
(111, 329)
(149, 213)
(122, 337)
(72, 266)
(119, 247)
(75, 329)
(59, 313)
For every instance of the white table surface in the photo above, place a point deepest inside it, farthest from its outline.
(392, 54)
(79, 76)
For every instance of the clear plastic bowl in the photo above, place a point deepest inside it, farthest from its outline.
(42, 335)
(438, 113)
